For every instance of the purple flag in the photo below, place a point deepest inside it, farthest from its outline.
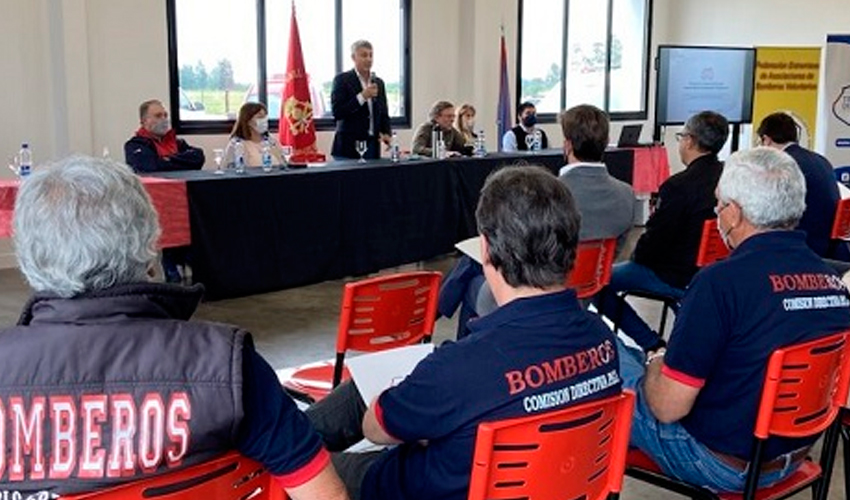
(503, 113)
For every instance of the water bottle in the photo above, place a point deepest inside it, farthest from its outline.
(267, 155)
(239, 156)
(480, 145)
(436, 137)
(25, 160)
(394, 150)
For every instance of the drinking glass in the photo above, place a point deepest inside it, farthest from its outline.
(529, 142)
(361, 150)
(218, 158)
(286, 151)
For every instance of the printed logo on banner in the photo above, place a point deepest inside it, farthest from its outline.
(841, 106)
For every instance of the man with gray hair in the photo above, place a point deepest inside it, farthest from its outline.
(440, 119)
(102, 382)
(359, 105)
(697, 401)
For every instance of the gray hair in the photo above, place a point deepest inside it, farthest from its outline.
(84, 224)
(360, 44)
(768, 186)
(437, 109)
(709, 129)
(145, 106)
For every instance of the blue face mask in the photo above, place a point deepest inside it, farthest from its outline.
(530, 120)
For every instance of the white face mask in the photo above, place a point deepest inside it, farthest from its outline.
(261, 125)
(161, 127)
(724, 235)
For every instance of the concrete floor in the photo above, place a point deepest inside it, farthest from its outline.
(296, 326)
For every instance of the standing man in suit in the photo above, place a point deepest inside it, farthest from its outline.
(359, 105)
(779, 131)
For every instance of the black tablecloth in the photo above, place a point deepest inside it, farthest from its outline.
(260, 232)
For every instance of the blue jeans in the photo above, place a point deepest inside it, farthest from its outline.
(672, 448)
(632, 276)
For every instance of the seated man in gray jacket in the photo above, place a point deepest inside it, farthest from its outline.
(606, 206)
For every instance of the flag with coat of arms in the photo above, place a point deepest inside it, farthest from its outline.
(296, 109)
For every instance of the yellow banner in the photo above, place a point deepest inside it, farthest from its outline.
(787, 79)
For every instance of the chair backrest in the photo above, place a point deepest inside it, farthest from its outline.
(804, 388)
(577, 452)
(388, 311)
(592, 269)
(231, 477)
(711, 246)
(841, 223)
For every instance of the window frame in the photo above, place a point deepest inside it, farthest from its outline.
(322, 124)
(648, 64)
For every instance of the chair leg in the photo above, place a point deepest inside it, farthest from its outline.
(845, 445)
(661, 328)
(827, 460)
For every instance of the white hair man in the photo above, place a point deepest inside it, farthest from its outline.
(101, 379)
(697, 401)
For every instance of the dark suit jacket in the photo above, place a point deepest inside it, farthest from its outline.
(821, 198)
(352, 118)
(670, 244)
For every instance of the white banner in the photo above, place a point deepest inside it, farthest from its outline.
(834, 131)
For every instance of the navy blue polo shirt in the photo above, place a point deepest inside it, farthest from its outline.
(772, 291)
(273, 430)
(531, 355)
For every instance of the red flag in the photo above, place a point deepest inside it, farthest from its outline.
(296, 109)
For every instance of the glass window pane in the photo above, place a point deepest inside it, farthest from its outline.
(542, 53)
(315, 26)
(628, 56)
(217, 56)
(587, 27)
(387, 38)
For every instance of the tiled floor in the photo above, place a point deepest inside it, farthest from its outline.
(297, 326)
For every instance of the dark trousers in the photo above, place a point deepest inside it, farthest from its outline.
(339, 420)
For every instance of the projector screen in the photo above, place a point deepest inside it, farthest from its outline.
(694, 79)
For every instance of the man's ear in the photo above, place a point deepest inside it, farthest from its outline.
(485, 251)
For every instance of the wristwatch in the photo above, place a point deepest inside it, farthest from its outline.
(655, 355)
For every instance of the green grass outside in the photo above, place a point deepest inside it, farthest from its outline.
(214, 100)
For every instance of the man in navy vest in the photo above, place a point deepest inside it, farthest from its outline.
(105, 379)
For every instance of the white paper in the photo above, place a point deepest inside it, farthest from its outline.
(843, 191)
(377, 371)
(471, 247)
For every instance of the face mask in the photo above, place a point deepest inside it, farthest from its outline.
(724, 235)
(470, 124)
(261, 125)
(529, 120)
(161, 127)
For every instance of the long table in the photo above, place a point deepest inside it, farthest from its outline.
(262, 232)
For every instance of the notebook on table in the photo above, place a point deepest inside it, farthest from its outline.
(630, 136)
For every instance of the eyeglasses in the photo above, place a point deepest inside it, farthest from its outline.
(682, 135)
(721, 208)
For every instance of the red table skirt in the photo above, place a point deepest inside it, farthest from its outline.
(651, 168)
(169, 199)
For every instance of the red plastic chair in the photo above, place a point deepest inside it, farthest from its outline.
(577, 452)
(805, 386)
(841, 223)
(592, 270)
(231, 477)
(377, 314)
(711, 249)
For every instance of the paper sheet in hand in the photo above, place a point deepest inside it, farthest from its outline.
(375, 372)
(471, 247)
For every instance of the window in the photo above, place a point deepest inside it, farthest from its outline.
(223, 53)
(584, 52)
